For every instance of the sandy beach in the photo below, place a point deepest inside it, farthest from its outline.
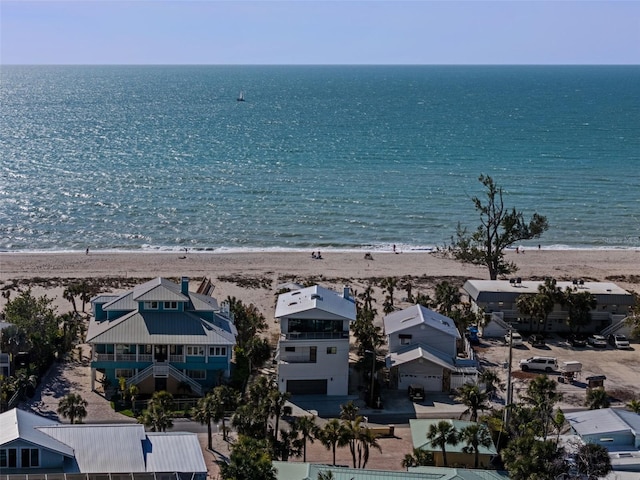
(255, 277)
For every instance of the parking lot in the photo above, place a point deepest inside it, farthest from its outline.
(620, 367)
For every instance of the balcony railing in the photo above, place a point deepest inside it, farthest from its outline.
(298, 359)
(122, 357)
(314, 335)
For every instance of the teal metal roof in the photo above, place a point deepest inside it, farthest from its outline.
(420, 427)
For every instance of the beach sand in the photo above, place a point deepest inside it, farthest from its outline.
(255, 277)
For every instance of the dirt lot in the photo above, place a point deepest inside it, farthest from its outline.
(621, 368)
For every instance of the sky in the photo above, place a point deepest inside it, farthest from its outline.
(319, 32)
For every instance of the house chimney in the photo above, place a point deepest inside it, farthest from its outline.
(345, 292)
(184, 286)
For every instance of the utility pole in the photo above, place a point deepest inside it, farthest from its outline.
(507, 407)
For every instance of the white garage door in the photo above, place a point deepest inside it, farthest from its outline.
(431, 383)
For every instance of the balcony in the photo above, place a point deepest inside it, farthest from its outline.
(314, 335)
(299, 359)
(122, 357)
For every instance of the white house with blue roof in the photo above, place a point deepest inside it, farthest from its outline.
(423, 350)
(33, 445)
(161, 336)
(313, 351)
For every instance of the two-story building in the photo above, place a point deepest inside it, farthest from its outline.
(43, 448)
(423, 350)
(497, 300)
(313, 351)
(161, 336)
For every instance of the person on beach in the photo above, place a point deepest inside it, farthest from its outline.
(86, 252)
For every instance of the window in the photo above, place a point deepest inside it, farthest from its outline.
(29, 457)
(404, 339)
(9, 457)
(332, 350)
(151, 305)
(124, 372)
(170, 305)
(175, 349)
(217, 351)
(195, 351)
(289, 349)
(197, 374)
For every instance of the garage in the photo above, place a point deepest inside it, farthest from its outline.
(307, 387)
(431, 383)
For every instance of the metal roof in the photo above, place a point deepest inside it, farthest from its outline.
(310, 471)
(159, 289)
(124, 302)
(604, 421)
(174, 452)
(493, 290)
(420, 427)
(318, 299)
(417, 315)
(416, 351)
(103, 448)
(18, 424)
(151, 328)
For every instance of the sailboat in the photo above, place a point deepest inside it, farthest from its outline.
(241, 96)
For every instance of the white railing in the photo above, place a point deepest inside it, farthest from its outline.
(176, 358)
(195, 386)
(122, 357)
(297, 359)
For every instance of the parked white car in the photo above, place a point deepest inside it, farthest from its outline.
(544, 364)
(516, 339)
(619, 341)
(597, 341)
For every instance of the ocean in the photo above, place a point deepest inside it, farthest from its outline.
(128, 158)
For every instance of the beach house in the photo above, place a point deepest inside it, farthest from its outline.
(497, 300)
(615, 429)
(457, 455)
(313, 350)
(161, 336)
(423, 350)
(36, 446)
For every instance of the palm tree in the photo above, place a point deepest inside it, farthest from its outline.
(389, 285)
(474, 399)
(634, 405)
(366, 441)
(442, 434)
(207, 410)
(349, 411)
(491, 382)
(309, 431)
(542, 396)
(475, 436)
(597, 398)
(417, 458)
(229, 398)
(447, 297)
(333, 434)
(276, 403)
(352, 428)
(73, 407)
(157, 416)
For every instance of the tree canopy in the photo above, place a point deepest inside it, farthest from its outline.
(499, 229)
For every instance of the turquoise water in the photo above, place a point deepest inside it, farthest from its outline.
(164, 157)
